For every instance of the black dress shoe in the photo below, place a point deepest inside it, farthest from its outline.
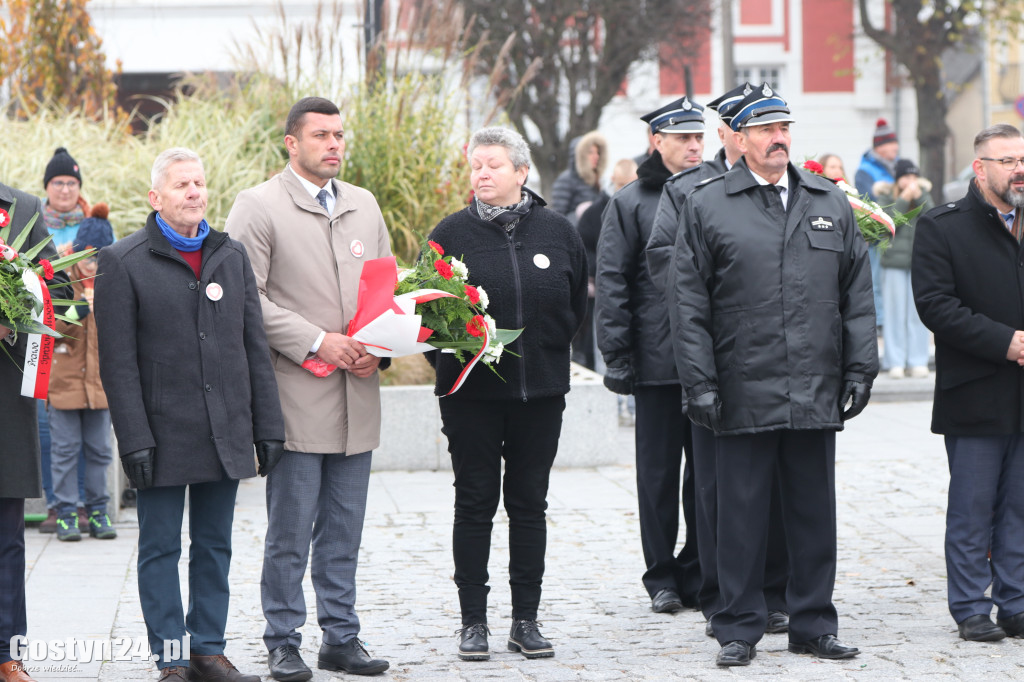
(527, 640)
(980, 628)
(778, 622)
(287, 665)
(736, 653)
(473, 642)
(349, 657)
(1012, 626)
(708, 630)
(826, 646)
(666, 601)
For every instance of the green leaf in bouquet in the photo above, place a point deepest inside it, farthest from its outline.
(29, 327)
(67, 261)
(19, 241)
(34, 251)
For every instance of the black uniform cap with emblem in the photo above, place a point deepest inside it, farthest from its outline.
(680, 116)
(726, 104)
(760, 107)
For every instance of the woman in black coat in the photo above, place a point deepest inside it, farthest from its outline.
(531, 264)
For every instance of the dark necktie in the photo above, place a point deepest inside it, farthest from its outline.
(321, 198)
(774, 193)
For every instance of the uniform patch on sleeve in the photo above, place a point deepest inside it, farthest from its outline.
(821, 222)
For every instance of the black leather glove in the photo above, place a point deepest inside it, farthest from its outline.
(705, 410)
(855, 393)
(618, 375)
(138, 467)
(268, 454)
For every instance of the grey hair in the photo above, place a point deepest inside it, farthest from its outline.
(168, 158)
(513, 142)
(999, 130)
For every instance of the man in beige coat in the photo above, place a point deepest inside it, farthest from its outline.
(308, 235)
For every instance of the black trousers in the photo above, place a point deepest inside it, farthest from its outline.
(663, 450)
(13, 620)
(482, 433)
(805, 461)
(776, 568)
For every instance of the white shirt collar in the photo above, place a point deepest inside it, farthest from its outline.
(311, 188)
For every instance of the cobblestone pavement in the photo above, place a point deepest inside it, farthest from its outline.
(890, 588)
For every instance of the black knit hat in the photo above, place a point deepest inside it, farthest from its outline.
(95, 233)
(61, 164)
(905, 167)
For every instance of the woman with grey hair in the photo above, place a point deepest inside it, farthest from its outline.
(531, 264)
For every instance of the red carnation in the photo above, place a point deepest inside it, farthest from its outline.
(476, 326)
(472, 294)
(436, 247)
(443, 269)
(47, 269)
(814, 166)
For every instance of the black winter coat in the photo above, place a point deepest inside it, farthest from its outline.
(19, 444)
(969, 289)
(666, 220)
(185, 374)
(535, 279)
(632, 319)
(773, 310)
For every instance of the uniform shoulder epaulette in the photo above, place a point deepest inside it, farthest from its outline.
(943, 209)
(685, 172)
(707, 181)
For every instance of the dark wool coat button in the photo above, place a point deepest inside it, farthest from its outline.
(209, 388)
(202, 335)
(191, 285)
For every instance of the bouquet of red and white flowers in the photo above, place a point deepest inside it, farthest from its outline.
(429, 305)
(25, 302)
(876, 225)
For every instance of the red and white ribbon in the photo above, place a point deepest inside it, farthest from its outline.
(470, 365)
(39, 352)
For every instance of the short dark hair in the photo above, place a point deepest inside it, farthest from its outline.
(308, 105)
(1002, 130)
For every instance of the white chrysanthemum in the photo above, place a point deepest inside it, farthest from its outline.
(492, 327)
(493, 353)
(459, 268)
(483, 297)
(402, 274)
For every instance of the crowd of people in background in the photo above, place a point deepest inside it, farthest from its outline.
(731, 302)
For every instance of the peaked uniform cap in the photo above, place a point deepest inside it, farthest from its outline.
(680, 116)
(760, 107)
(726, 104)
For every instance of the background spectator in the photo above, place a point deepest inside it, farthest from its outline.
(78, 414)
(905, 336)
(877, 165)
(832, 166)
(580, 183)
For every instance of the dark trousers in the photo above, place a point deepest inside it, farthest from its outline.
(985, 513)
(805, 462)
(583, 344)
(211, 512)
(482, 433)
(662, 440)
(776, 569)
(13, 620)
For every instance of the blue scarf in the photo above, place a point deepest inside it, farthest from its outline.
(187, 244)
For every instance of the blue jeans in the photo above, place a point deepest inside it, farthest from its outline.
(44, 459)
(211, 512)
(906, 337)
(72, 433)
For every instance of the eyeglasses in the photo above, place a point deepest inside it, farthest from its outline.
(1007, 162)
(64, 184)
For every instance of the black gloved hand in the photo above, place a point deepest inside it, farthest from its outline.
(138, 467)
(705, 410)
(618, 375)
(855, 393)
(268, 454)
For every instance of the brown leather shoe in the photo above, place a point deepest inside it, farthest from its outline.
(50, 524)
(14, 671)
(216, 669)
(174, 674)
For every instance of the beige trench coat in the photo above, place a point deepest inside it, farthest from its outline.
(307, 267)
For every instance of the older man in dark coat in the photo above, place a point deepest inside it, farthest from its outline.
(19, 454)
(969, 290)
(773, 325)
(186, 368)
